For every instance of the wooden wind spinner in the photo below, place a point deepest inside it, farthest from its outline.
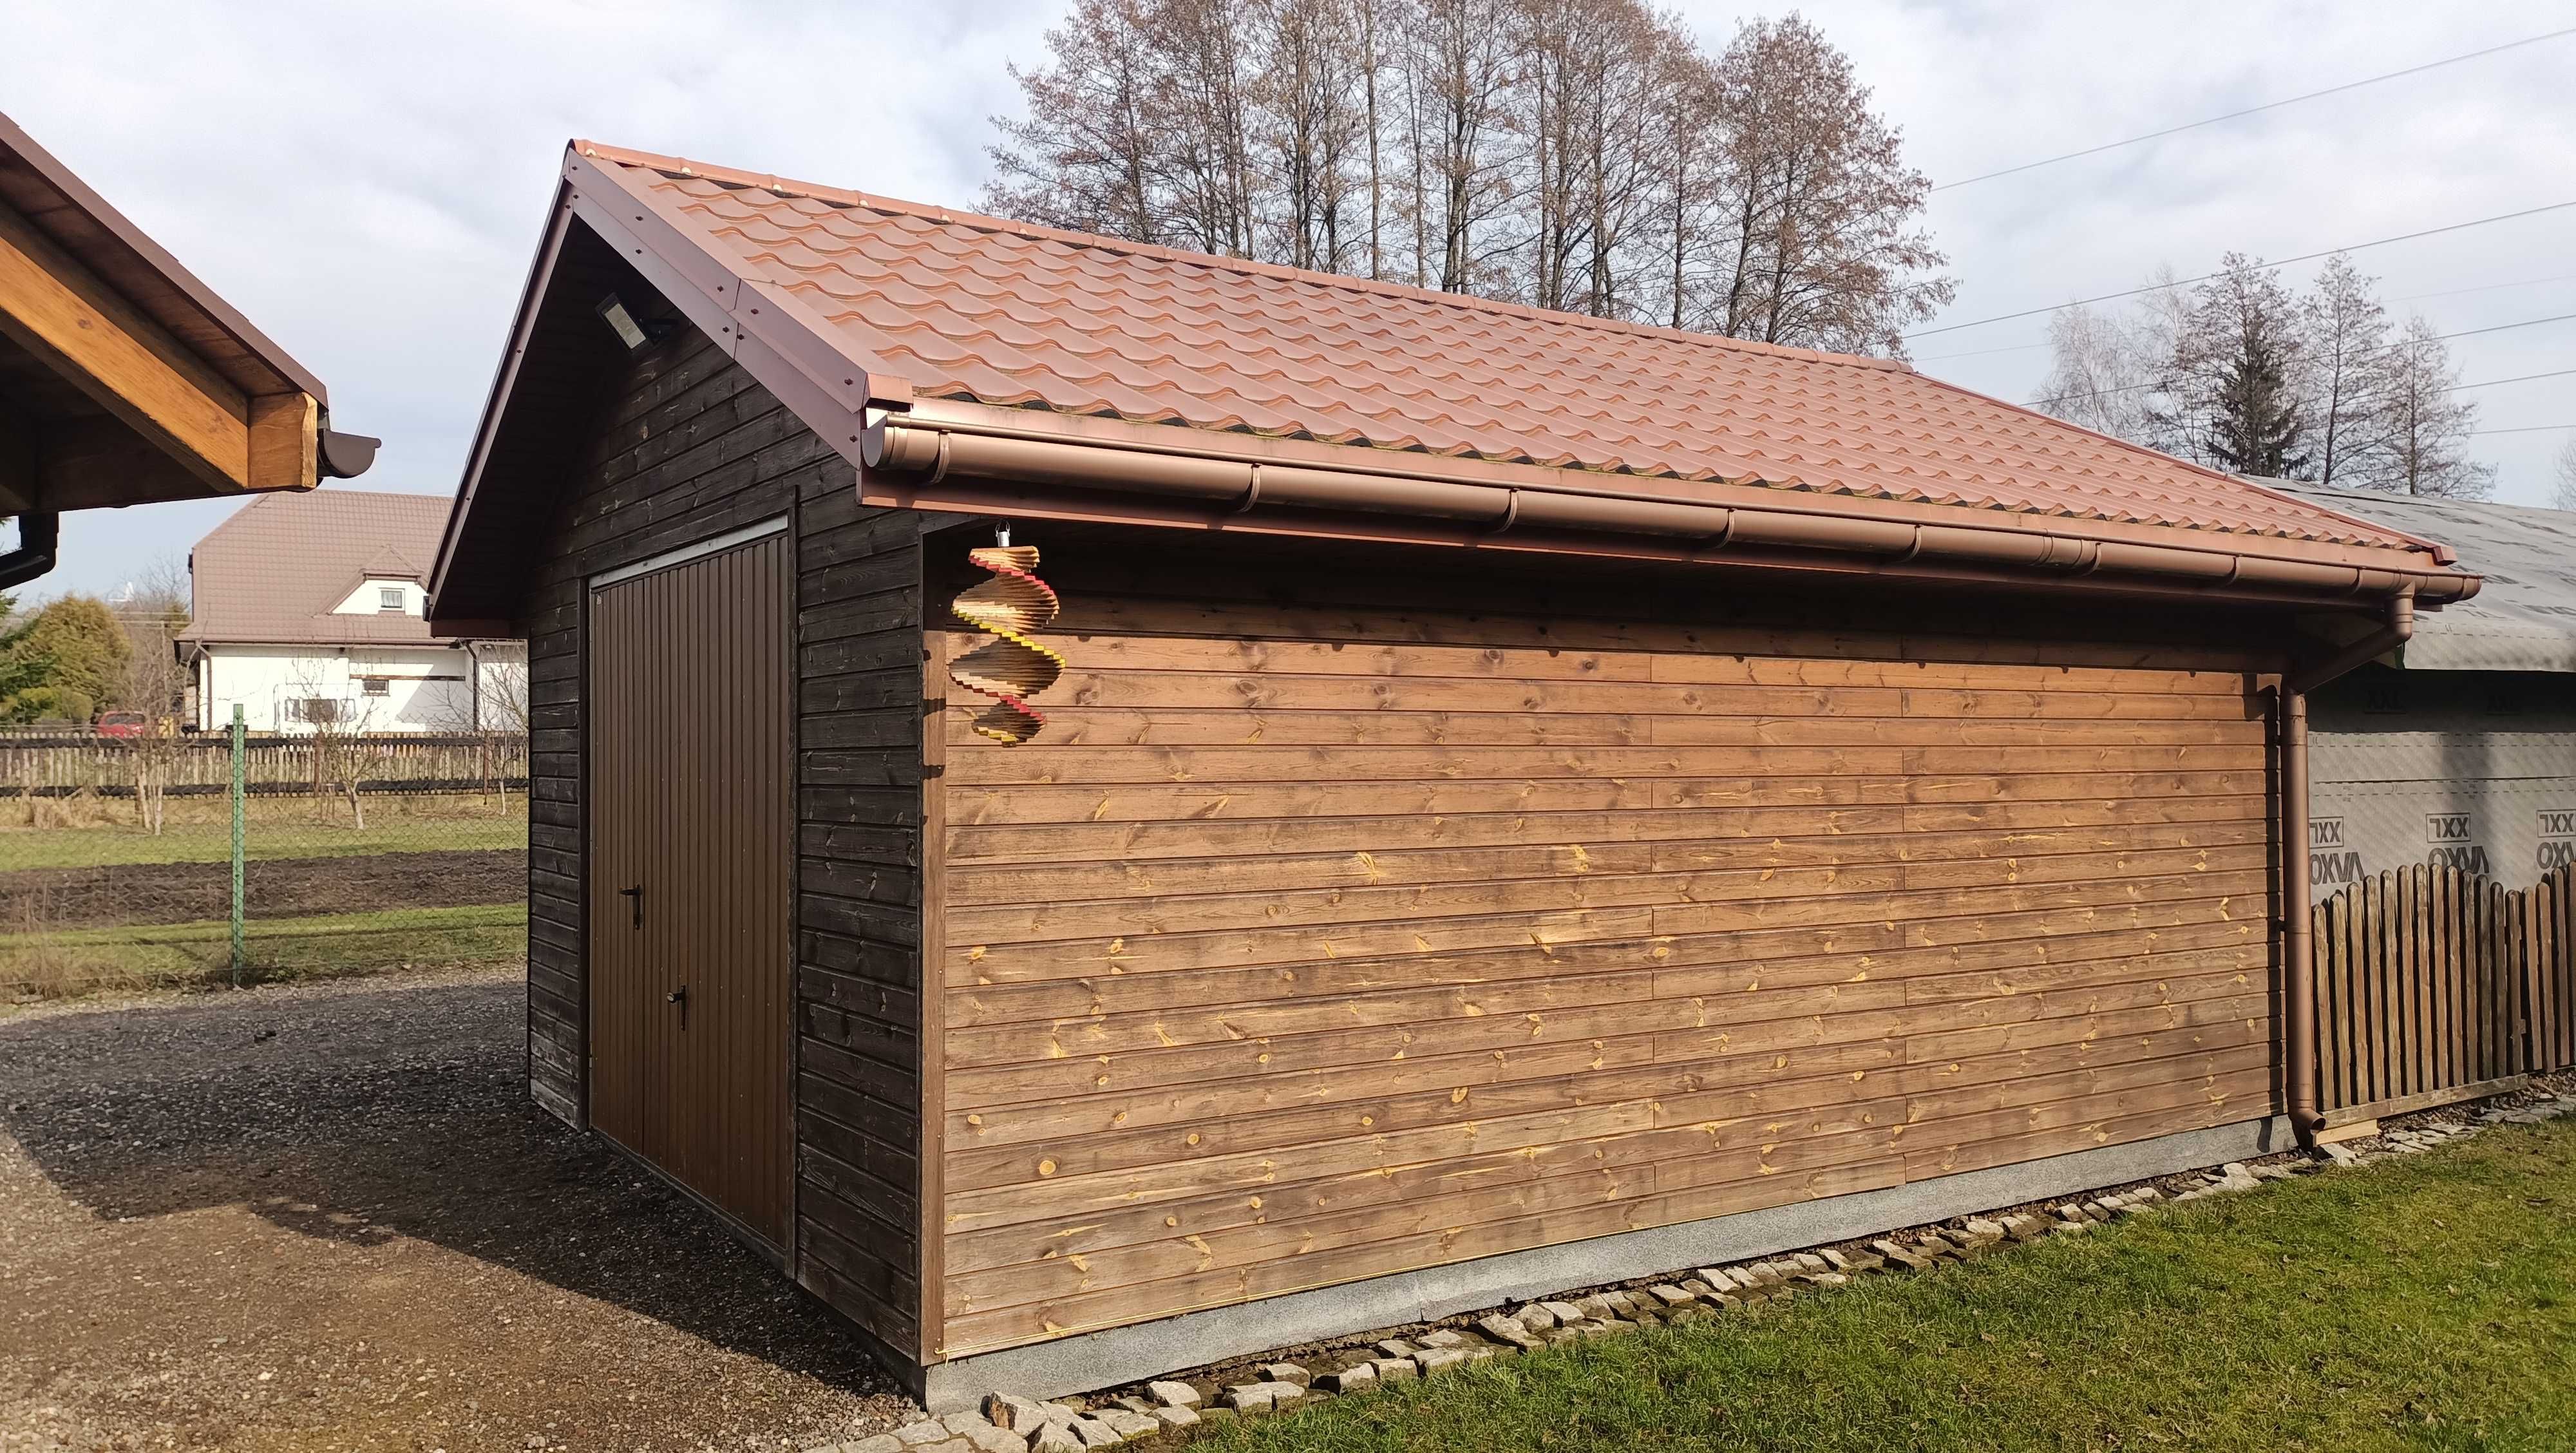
(1010, 668)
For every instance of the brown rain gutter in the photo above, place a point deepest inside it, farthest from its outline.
(2298, 945)
(907, 461)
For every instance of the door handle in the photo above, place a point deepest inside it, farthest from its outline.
(635, 893)
(680, 996)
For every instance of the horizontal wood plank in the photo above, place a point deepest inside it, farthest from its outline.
(1312, 943)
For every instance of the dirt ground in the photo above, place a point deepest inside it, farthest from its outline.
(325, 1216)
(134, 893)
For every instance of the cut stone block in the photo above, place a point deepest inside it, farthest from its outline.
(1173, 1394)
(1287, 1372)
(1353, 1379)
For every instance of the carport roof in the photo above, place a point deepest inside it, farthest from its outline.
(2524, 618)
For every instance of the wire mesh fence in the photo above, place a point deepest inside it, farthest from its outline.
(360, 855)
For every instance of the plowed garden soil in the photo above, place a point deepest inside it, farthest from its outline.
(141, 893)
(325, 1216)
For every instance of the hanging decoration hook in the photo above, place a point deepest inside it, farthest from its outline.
(1010, 668)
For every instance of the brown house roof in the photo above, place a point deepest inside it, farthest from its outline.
(137, 381)
(940, 347)
(271, 574)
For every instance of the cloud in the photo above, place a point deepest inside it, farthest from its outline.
(367, 182)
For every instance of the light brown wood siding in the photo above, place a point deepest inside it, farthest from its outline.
(1308, 944)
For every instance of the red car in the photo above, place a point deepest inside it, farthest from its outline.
(122, 724)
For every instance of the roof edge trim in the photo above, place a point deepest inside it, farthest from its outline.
(728, 304)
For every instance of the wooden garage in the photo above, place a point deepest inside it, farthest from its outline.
(1508, 801)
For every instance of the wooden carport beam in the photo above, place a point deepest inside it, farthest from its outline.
(60, 312)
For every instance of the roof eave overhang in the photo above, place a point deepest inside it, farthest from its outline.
(952, 455)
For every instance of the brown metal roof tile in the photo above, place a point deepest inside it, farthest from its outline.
(1002, 313)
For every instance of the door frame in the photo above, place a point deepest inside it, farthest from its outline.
(786, 1253)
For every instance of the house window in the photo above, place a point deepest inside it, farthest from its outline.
(389, 597)
(374, 685)
(315, 710)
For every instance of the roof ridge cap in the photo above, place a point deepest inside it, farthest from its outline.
(1466, 302)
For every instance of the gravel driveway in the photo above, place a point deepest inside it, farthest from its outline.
(325, 1216)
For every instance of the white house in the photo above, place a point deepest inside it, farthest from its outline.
(307, 611)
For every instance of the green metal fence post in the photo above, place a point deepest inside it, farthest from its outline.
(237, 844)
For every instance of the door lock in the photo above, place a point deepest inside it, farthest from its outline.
(680, 996)
(636, 895)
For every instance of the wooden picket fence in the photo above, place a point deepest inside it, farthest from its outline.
(65, 764)
(2435, 985)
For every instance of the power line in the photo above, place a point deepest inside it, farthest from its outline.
(2253, 110)
(2487, 288)
(2519, 378)
(2204, 277)
(2532, 429)
(2383, 348)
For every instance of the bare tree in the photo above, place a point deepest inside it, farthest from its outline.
(1084, 157)
(2349, 368)
(1310, 117)
(2562, 490)
(2428, 424)
(1584, 155)
(2104, 369)
(1826, 251)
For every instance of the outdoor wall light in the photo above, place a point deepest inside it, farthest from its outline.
(622, 322)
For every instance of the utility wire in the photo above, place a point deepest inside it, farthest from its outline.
(2204, 277)
(2253, 110)
(2519, 378)
(2531, 429)
(2364, 353)
(2488, 288)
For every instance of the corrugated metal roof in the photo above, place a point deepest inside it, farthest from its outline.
(272, 573)
(1003, 313)
(2524, 619)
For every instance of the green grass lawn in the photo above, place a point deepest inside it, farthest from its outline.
(276, 834)
(79, 959)
(2428, 1302)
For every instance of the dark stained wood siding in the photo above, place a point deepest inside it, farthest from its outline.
(1340, 924)
(687, 447)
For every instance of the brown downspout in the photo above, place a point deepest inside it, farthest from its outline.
(2298, 947)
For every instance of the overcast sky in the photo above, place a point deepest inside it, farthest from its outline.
(366, 182)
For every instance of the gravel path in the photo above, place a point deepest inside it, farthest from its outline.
(325, 1216)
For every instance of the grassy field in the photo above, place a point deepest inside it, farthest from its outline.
(2423, 1303)
(184, 954)
(199, 830)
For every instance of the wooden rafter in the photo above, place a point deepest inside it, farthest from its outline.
(65, 316)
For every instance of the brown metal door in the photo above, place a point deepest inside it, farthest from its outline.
(691, 847)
